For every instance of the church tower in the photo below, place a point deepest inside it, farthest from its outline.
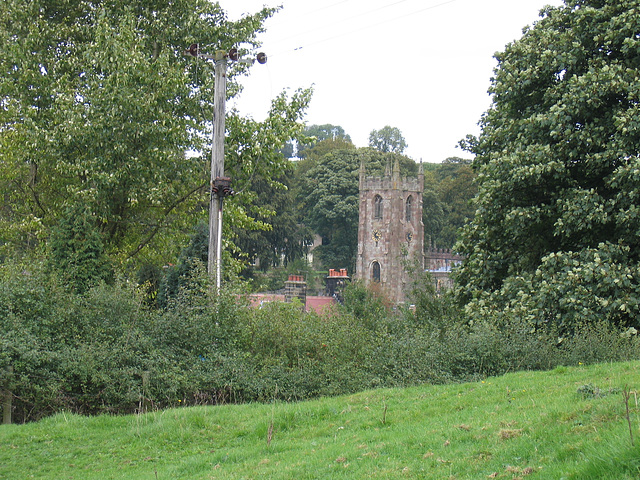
(390, 229)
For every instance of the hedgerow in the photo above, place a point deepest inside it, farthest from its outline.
(106, 351)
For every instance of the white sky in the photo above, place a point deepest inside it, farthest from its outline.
(423, 66)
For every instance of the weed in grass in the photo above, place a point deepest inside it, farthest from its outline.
(589, 390)
(625, 395)
(270, 434)
(506, 434)
(384, 414)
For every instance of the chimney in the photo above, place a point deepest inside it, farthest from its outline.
(295, 287)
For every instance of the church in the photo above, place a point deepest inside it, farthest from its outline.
(390, 230)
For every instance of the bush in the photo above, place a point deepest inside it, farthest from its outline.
(76, 251)
(326, 354)
(88, 353)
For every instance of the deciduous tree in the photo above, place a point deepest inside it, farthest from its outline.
(99, 103)
(387, 139)
(555, 235)
(449, 189)
(77, 251)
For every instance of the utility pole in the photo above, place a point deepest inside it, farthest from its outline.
(220, 186)
(217, 168)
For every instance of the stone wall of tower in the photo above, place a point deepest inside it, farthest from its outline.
(388, 241)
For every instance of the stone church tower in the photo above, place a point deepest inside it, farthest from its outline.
(390, 229)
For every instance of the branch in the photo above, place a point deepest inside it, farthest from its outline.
(168, 210)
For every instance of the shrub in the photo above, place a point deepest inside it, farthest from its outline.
(76, 251)
(88, 352)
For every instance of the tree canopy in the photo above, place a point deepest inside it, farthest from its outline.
(99, 104)
(555, 234)
(284, 239)
(387, 139)
(447, 201)
(313, 136)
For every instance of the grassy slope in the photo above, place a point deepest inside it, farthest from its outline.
(527, 424)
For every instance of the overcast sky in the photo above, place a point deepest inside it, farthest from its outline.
(423, 66)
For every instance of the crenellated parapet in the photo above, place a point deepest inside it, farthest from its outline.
(391, 180)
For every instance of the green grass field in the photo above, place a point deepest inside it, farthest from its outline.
(567, 423)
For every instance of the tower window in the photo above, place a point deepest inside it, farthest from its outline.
(407, 208)
(376, 272)
(377, 207)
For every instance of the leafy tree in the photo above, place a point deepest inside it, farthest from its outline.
(327, 132)
(433, 215)
(312, 156)
(177, 276)
(322, 147)
(314, 134)
(76, 251)
(330, 196)
(100, 104)
(555, 236)
(283, 239)
(449, 189)
(457, 161)
(387, 139)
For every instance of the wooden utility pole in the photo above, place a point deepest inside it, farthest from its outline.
(220, 185)
(214, 266)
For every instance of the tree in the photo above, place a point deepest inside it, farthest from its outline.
(283, 239)
(555, 235)
(330, 202)
(387, 139)
(76, 250)
(312, 157)
(100, 104)
(448, 191)
(314, 134)
(178, 276)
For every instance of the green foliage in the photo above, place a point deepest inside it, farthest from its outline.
(89, 352)
(283, 239)
(366, 304)
(569, 289)
(322, 134)
(447, 201)
(329, 198)
(70, 351)
(100, 106)
(387, 139)
(194, 255)
(555, 231)
(274, 279)
(149, 277)
(306, 355)
(430, 308)
(76, 251)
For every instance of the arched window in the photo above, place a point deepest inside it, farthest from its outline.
(407, 208)
(377, 207)
(376, 272)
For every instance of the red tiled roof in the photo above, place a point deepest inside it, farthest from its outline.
(316, 304)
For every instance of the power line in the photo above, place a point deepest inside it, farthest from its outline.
(342, 20)
(352, 31)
